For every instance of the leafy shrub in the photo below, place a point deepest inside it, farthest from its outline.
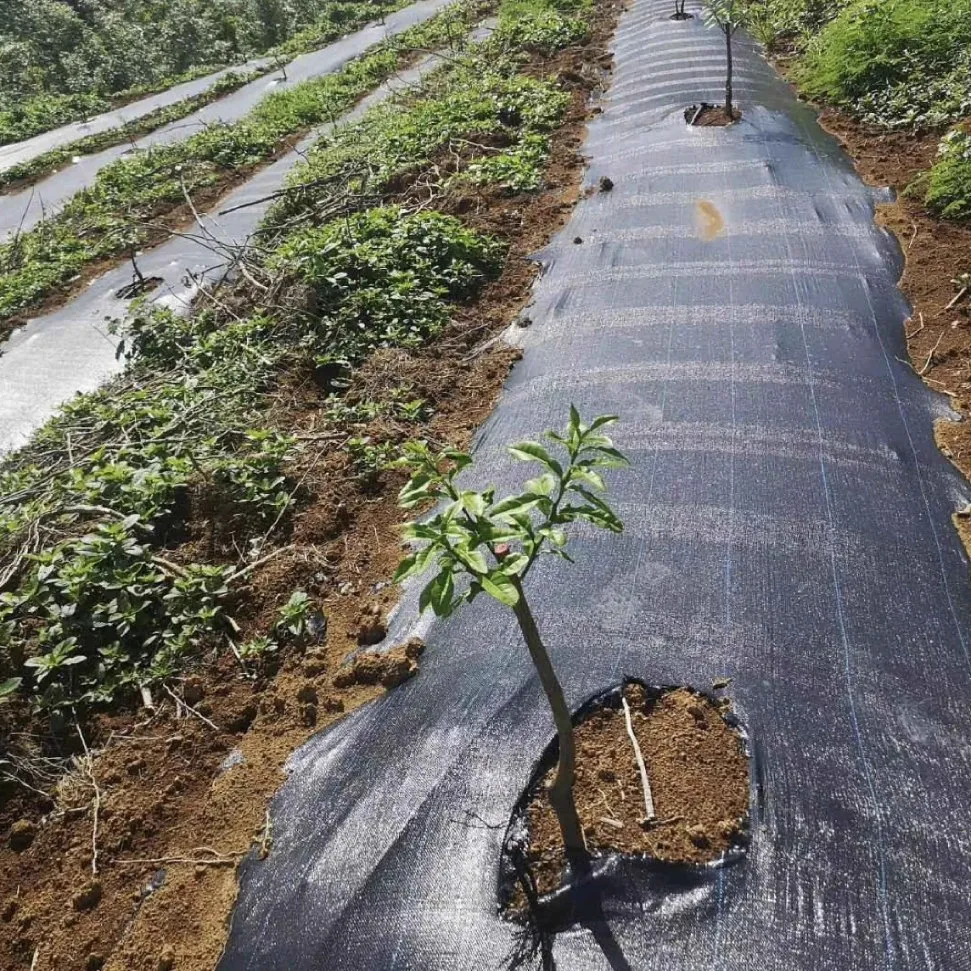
(103, 616)
(382, 278)
(480, 96)
(949, 181)
(894, 60)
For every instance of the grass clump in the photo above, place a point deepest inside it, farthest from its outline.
(383, 278)
(948, 184)
(896, 62)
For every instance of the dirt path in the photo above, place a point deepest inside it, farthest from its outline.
(788, 524)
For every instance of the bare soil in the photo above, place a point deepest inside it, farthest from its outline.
(127, 861)
(710, 116)
(936, 251)
(699, 776)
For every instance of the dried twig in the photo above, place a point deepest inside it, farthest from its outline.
(89, 771)
(961, 295)
(645, 783)
(912, 335)
(930, 357)
(189, 708)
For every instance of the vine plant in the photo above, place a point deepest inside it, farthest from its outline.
(477, 544)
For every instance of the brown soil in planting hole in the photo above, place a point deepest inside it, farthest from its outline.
(699, 776)
(710, 116)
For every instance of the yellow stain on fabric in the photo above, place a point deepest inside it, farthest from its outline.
(708, 220)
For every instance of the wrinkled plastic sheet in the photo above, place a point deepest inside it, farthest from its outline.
(69, 350)
(22, 210)
(787, 525)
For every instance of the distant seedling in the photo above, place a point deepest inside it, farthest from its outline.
(478, 544)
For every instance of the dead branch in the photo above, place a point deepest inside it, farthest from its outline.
(930, 357)
(184, 704)
(88, 765)
(645, 783)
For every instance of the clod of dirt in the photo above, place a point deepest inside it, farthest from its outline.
(577, 240)
(240, 718)
(372, 628)
(94, 962)
(307, 693)
(523, 320)
(698, 771)
(21, 835)
(166, 958)
(193, 690)
(88, 897)
(606, 184)
(389, 670)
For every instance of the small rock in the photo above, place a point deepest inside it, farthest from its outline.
(720, 684)
(308, 715)
(397, 672)
(523, 321)
(95, 962)
(317, 627)
(88, 897)
(606, 184)
(166, 959)
(21, 835)
(577, 240)
(9, 909)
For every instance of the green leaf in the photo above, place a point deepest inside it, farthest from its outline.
(514, 564)
(514, 506)
(534, 452)
(473, 559)
(498, 585)
(442, 594)
(590, 477)
(543, 485)
(473, 502)
(601, 421)
(9, 686)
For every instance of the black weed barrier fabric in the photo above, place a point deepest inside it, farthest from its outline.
(787, 524)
